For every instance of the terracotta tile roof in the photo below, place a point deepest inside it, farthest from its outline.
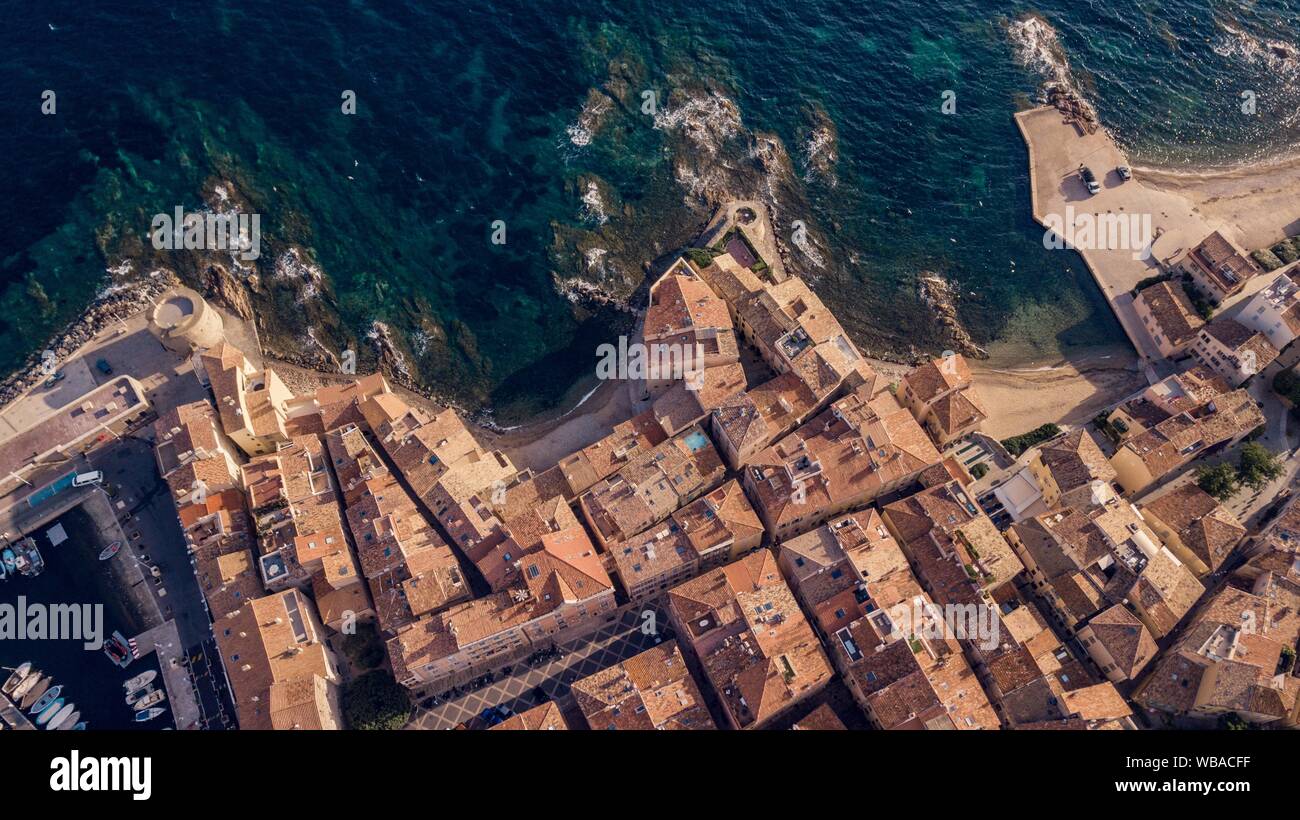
(228, 581)
(1125, 638)
(846, 455)
(1172, 311)
(651, 690)
(754, 644)
(939, 376)
(1239, 339)
(1204, 525)
(1075, 461)
(1099, 702)
(821, 719)
(652, 485)
(270, 640)
(958, 410)
(629, 439)
(680, 304)
(545, 717)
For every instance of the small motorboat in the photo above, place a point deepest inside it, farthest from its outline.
(70, 723)
(118, 650)
(17, 677)
(3, 574)
(152, 699)
(35, 688)
(29, 683)
(80, 727)
(61, 716)
(149, 714)
(109, 551)
(43, 702)
(140, 680)
(10, 560)
(29, 561)
(138, 695)
(49, 713)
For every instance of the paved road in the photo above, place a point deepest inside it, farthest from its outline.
(606, 647)
(154, 533)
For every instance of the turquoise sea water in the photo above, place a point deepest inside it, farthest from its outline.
(533, 113)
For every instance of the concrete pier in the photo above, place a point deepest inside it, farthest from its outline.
(1057, 149)
(165, 640)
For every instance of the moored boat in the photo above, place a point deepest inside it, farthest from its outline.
(29, 683)
(50, 711)
(118, 650)
(10, 560)
(61, 716)
(109, 551)
(34, 687)
(153, 698)
(17, 677)
(140, 680)
(29, 561)
(45, 700)
(149, 714)
(132, 698)
(70, 723)
(81, 726)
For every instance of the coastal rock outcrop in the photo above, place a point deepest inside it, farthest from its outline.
(940, 296)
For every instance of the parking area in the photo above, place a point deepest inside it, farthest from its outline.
(528, 686)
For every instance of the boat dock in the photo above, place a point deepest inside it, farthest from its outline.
(166, 641)
(12, 716)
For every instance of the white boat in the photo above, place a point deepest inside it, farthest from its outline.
(154, 698)
(45, 700)
(81, 725)
(61, 716)
(34, 689)
(109, 551)
(49, 713)
(70, 723)
(140, 680)
(149, 714)
(138, 695)
(29, 683)
(17, 677)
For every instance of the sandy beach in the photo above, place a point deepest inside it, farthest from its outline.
(1020, 396)
(1260, 200)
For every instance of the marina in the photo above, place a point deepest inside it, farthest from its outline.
(66, 681)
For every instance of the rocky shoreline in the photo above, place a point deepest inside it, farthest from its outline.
(113, 305)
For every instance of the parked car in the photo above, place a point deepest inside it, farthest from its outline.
(1089, 179)
(104, 367)
(55, 378)
(1125, 173)
(92, 477)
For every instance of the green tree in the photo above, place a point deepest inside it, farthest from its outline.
(1258, 466)
(979, 470)
(1219, 481)
(375, 701)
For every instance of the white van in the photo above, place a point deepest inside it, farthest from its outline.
(92, 477)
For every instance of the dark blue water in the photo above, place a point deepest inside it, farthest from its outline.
(74, 575)
(474, 112)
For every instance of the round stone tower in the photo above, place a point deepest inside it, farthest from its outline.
(184, 322)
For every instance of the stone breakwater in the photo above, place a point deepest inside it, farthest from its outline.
(113, 305)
